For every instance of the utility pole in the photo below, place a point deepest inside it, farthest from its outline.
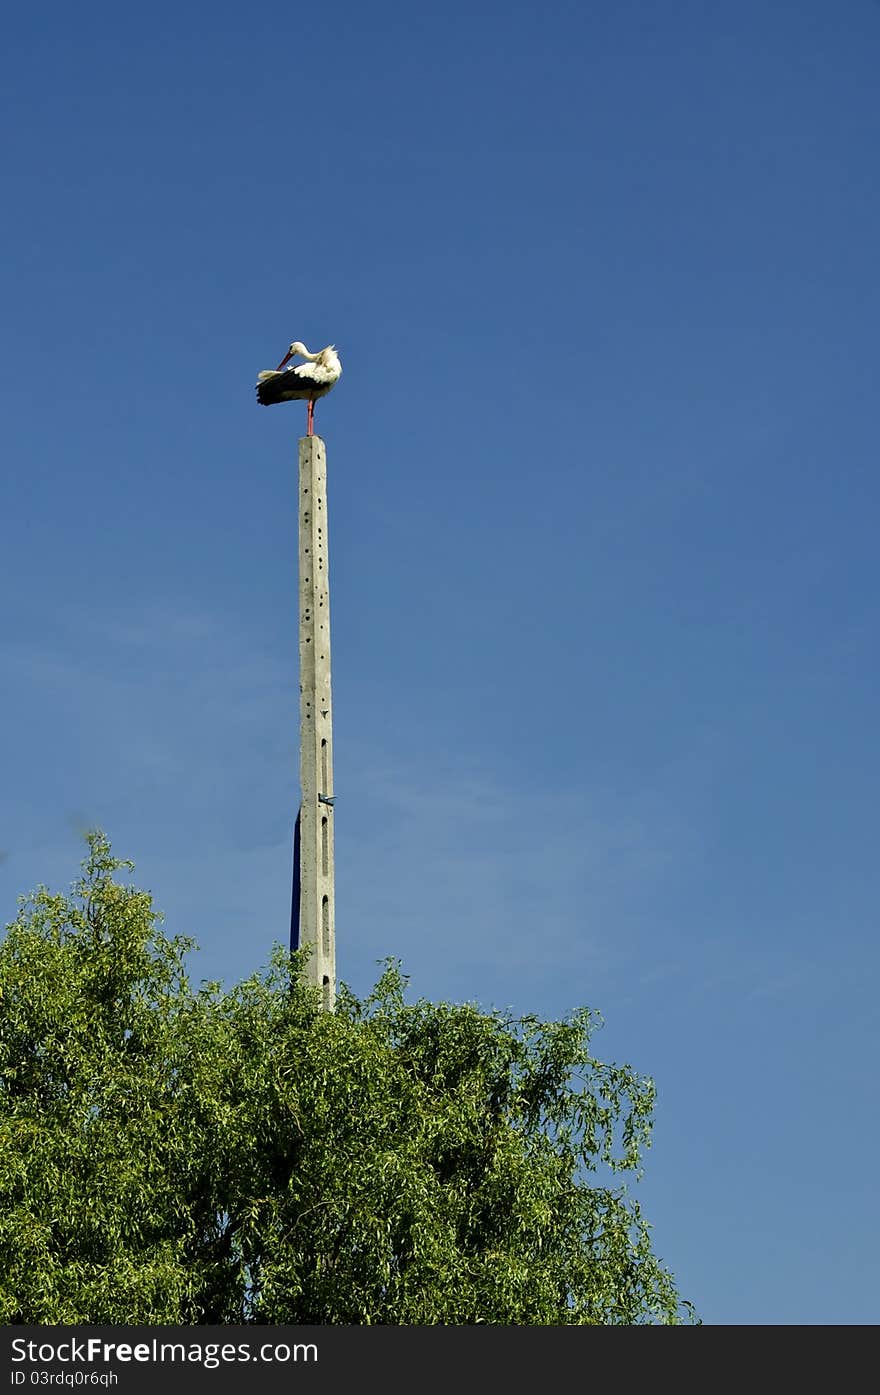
(312, 912)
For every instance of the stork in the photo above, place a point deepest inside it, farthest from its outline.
(306, 382)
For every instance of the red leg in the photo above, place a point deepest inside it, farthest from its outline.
(310, 419)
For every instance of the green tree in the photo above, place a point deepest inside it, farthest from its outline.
(171, 1154)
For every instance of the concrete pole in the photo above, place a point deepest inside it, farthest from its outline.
(317, 927)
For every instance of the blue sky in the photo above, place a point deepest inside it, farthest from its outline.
(603, 503)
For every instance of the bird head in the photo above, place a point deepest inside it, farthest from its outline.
(295, 348)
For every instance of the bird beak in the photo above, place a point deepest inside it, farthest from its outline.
(286, 359)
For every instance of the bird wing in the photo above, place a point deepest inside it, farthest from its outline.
(287, 386)
(294, 384)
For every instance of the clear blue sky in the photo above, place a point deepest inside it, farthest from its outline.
(603, 537)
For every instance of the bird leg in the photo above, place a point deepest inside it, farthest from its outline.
(310, 418)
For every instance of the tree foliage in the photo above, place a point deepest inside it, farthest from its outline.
(173, 1154)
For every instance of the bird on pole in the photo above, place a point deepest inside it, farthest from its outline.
(305, 382)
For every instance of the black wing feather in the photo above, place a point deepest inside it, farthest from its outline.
(284, 387)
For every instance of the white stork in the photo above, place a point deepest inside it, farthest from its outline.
(306, 382)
